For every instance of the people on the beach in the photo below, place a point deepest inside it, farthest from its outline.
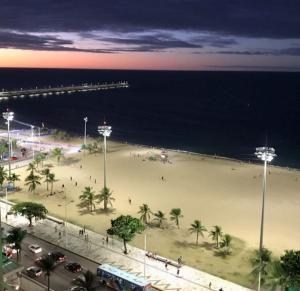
(178, 271)
(71, 178)
(209, 285)
(76, 184)
(129, 200)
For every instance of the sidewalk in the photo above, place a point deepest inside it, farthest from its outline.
(96, 249)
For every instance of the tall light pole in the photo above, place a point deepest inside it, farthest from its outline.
(105, 130)
(85, 121)
(266, 154)
(8, 116)
(32, 135)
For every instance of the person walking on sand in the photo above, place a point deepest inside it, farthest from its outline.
(76, 184)
(71, 178)
(162, 178)
(209, 285)
(106, 239)
(84, 229)
(178, 270)
(95, 181)
(166, 265)
(129, 200)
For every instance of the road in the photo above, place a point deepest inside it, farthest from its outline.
(60, 279)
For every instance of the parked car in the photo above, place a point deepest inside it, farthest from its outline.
(57, 256)
(35, 248)
(34, 271)
(73, 267)
(10, 248)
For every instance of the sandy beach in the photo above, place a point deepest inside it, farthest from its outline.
(216, 191)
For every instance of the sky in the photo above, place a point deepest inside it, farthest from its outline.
(156, 34)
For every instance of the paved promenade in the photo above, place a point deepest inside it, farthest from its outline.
(97, 249)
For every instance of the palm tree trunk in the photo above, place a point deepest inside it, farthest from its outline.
(51, 187)
(197, 238)
(47, 186)
(217, 241)
(105, 204)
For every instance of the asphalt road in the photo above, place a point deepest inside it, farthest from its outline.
(60, 279)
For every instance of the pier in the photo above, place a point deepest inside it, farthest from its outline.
(36, 92)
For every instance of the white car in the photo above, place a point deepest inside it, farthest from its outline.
(35, 248)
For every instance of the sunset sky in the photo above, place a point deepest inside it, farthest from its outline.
(140, 34)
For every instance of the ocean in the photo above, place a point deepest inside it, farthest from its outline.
(222, 113)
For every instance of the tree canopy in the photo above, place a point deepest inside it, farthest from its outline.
(30, 210)
(126, 227)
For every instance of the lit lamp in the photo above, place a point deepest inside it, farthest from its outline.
(104, 130)
(266, 154)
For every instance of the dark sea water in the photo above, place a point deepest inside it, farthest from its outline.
(223, 113)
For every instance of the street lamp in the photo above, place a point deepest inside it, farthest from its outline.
(32, 135)
(266, 154)
(8, 116)
(85, 121)
(105, 130)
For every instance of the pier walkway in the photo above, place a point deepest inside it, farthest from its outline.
(5, 95)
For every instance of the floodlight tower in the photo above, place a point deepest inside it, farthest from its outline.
(85, 121)
(8, 116)
(32, 135)
(104, 130)
(266, 154)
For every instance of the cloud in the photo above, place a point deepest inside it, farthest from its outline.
(148, 43)
(291, 51)
(277, 19)
(44, 43)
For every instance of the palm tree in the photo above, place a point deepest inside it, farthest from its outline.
(197, 228)
(13, 178)
(58, 154)
(216, 233)
(266, 259)
(51, 179)
(46, 173)
(3, 175)
(16, 236)
(87, 280)
(47, 264)
(88, 197)
(274, 275)
(145, 212)
(33, 181)
(105, 197)
(175, 214)
(225, 244)
(160, 217)
(3, 149)
(31, 167)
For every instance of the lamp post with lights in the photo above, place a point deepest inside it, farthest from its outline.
(104, 130)
(8, 116)
(266, 154)
(85, 121)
